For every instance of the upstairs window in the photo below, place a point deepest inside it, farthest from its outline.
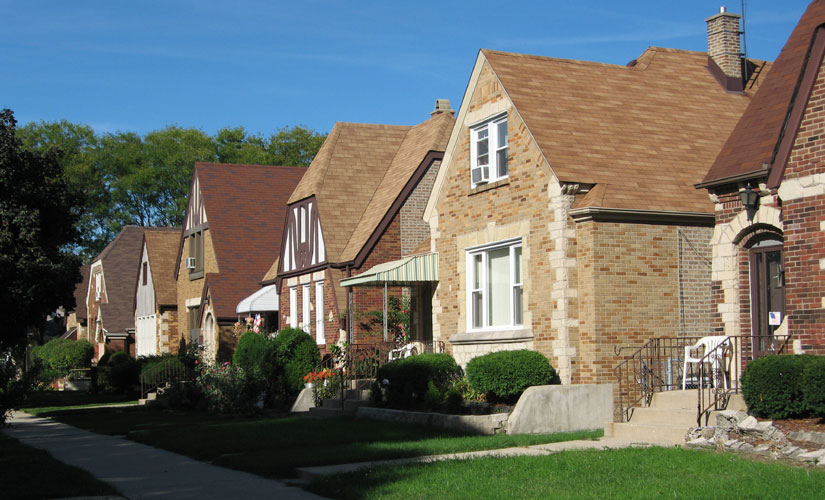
(488, 151)
(494, 278)
(195, 261)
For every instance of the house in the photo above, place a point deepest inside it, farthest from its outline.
(768, 189)
(232, 232)
(110, 297)
(76, 320)
(156, 297)
(359, 205)
(564, 214)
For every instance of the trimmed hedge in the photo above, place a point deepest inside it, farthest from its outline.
(59, 356)
(424, 378)
(773, 386)
(504, 375)
(813, 386)
(118, 372)
(255, 354)
(298, 355)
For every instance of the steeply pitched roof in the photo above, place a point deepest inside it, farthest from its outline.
(80, 292)
(756, 137)
(246, 208)
(162, 246)
(121, 260)
(644, 132)
(360, 171)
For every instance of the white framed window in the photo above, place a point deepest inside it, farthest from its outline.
(488, 151)
(319, 313)
(306, 321)
(293, 307)
(495, 286)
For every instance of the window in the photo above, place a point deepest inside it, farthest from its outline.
(319, 313)
(196, 252)
(495, 290)
(293, 307)
(488, 151)
(194, 331)
(98, 286)
(145, 273)
(305, 302)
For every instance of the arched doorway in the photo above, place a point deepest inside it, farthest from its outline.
(767, 287)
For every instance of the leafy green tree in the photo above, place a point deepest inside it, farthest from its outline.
(294, 146)
(38, 225)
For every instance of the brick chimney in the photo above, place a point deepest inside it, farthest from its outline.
(442, 106)
(724, 46)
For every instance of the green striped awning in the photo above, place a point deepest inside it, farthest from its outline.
(406, 271)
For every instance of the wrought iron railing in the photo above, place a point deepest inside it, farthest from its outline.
(165, 372)
(654, 367)
(720, 370)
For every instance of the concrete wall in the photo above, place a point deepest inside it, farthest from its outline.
(562, 408)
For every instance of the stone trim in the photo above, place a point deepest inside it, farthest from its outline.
(561, 234)
(802, 187)
(492, 337)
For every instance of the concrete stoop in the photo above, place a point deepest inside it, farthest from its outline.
(354, 399)
(149, 399)
(665, 421)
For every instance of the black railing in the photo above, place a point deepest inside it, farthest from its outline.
(163, 373)
(720, 369)
(654, 367)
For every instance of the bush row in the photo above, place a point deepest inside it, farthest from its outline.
(780, 387)
(59, 356)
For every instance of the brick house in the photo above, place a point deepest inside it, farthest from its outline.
(231, 234)
(76, 320)
(768, 188)
(359, 205)
(156, 303)
(564, 215)
(110, 296)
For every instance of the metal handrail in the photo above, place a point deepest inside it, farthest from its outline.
(165, 372)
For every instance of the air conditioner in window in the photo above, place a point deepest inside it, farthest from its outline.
(98, 295)
(190, 263)
(480, 174)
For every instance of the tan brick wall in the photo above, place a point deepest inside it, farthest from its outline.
(190, 289)
(519, 206)
(414, 229)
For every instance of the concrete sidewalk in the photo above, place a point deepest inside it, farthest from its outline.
(141, 471)
(534, 450)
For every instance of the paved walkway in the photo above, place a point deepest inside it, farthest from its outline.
(141, 471)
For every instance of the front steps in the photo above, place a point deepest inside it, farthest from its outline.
(353, 399)
(149, 399)
(667, 420)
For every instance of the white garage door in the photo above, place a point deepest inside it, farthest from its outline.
(146, 342)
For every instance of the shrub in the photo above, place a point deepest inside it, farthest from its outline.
(408, 379)
(59, 356)
(297, 355)
(118, 373)
(504, 375)
(813, 386)
(255, 354)
(183, 395)
(772, 386)
(227, 389)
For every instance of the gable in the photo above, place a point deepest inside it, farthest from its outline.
(303, 246)
(195, 208)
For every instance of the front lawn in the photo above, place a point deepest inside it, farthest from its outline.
(626, 473)
(39, 402)
(27, 472)
(274, 447)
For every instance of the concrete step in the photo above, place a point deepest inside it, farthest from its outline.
(675, 399)
(320, 411)
(150, 397)
(359, 394)
(664, 416)
(648, 433)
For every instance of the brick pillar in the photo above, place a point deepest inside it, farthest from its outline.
(724, 45)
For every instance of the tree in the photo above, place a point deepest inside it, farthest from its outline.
(294, 146)
(39, 213)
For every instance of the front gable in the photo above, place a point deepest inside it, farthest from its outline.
(303, 245)
(145, 294)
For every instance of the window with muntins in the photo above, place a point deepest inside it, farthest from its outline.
(488, 151)
(196, 251)
(494, 286)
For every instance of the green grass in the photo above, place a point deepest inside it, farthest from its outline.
(41, 402)
(27, 472)
(274, 447)
(616, 474)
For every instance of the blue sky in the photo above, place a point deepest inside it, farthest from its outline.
(139, 66)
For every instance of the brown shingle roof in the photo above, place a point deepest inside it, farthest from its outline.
(246, 207)
(344, 176)
(646, 133)
(162, 246)
(432, 135)
(80, 291)
(753, 141)
(120, 262)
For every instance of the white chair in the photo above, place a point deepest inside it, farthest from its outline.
(404, 352)
(716, 358)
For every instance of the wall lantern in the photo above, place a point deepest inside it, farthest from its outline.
(750, 200)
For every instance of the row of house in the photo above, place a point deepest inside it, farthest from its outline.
(568, 207)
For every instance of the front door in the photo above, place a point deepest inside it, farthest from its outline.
(767, 292)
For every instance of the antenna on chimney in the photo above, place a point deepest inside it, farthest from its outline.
(744, 40)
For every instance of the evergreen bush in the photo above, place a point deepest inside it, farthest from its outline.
(813, 386)
(59, 356)
(118, 373)
(255, 354)
(773, 386)
(297, 354)
(504, 375)
(408, 380)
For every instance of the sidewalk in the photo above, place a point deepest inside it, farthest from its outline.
(140, 471)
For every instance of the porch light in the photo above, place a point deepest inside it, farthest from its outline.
(750, 200)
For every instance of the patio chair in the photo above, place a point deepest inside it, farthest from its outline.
(716, 359)
(404, 351)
